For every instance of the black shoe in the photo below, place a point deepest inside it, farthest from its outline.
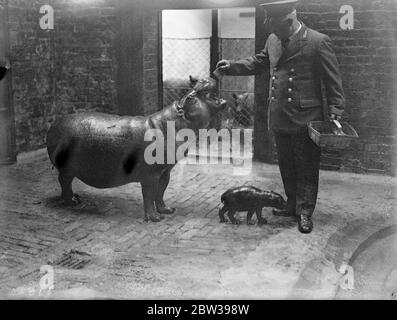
(283, 213)
(305, 224)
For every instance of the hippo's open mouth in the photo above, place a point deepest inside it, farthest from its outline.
(220, 102)
(204, 89)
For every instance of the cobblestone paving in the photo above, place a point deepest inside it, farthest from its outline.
(188, 254)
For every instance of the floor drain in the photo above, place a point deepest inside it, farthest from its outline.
(73, 260)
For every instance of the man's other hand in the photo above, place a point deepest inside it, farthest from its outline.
(334, 116)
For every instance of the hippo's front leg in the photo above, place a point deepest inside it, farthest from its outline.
(163, 184)
(149, 191)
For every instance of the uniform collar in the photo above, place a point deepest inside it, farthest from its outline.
(296, 31)
(299, 35)
(298, 41)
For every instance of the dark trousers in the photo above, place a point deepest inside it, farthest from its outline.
(299, 162)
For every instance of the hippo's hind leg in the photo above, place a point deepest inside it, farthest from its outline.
(163, 184)
(259, 217)
(149, 191)
(222, 212)
(250, 213)
(65, 180)
(62, 160)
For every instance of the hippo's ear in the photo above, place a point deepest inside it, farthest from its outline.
(193, 81)
(234, 96)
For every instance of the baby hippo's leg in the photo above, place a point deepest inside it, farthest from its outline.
(232, 218)
(259, 216)
(249, 216)
(222, 212)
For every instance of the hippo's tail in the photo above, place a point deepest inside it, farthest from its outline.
(51, 145)
(58, 147)
(60, 156)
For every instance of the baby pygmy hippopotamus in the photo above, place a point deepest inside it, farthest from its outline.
(250, 199)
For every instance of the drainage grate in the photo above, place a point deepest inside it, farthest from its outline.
(73, 260)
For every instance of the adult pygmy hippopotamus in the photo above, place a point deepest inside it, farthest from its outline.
(106, 151)
(250, 199)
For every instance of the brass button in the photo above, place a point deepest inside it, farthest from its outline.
(275, 68)
(274, 78)
(292, 70)
(273, 98)
(289, 89)
(289, 99)
(273, 88)
(290, 79)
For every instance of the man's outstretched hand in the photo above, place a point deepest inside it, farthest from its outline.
(223, 65)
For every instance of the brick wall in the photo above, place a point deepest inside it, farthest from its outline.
(68, 69)
(367, 57)
(150, 60)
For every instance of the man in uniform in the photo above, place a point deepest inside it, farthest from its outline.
(301, 61)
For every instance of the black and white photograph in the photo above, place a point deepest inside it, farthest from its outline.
(215, 151)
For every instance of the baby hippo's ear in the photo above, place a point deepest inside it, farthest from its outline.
(193, 81)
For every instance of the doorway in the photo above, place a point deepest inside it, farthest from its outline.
(7, 126)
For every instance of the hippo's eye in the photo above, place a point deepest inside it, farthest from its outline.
(210, 95)
(190, 99)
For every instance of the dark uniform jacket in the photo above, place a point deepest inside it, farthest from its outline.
(295, 96)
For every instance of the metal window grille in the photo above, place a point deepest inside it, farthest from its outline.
(184, 57)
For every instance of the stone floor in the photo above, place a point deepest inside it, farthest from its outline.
(103, 247)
